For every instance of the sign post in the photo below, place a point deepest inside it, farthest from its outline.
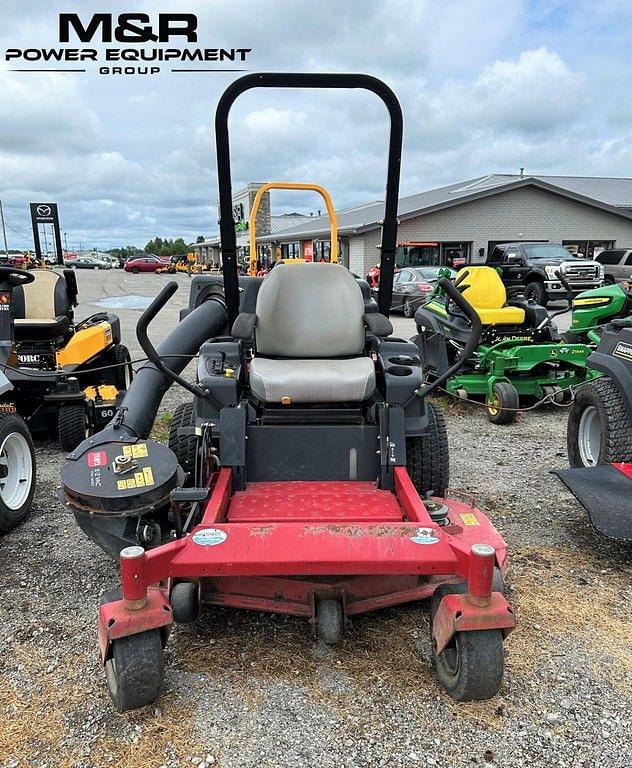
(46, 213)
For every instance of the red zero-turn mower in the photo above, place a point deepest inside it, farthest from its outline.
(308, 476)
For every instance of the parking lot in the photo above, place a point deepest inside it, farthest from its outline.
(246, 689)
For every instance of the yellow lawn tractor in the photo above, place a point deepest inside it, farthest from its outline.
(61, 375)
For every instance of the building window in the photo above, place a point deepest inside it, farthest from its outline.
(587, 249)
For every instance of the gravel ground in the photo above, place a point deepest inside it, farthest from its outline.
(245, 689)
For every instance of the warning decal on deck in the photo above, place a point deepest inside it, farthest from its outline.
(467, 518)
(138, 451)
(140, 479)
(209, 537)
(425, 536)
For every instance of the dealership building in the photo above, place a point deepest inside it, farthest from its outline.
(457, 223)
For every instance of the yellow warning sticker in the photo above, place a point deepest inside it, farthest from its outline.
(467, 518)
(138, 451)
(141, 479)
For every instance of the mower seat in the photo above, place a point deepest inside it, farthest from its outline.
(485, 291)
(310, 337)
(42, 308)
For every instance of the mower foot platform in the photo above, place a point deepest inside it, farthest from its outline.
(324, 551)
(605, 492)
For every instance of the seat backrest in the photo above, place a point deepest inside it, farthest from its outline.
(310, 310)
(485, 289)
(44, 299)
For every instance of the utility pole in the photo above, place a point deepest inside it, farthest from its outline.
(4, 231)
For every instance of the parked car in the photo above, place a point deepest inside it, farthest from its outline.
(89, 262)
(412, 286)
(530, 268)
(145, 264)
(617, 264)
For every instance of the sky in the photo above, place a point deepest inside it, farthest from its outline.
(485, 86)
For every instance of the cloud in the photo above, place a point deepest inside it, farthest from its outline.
(485, 86)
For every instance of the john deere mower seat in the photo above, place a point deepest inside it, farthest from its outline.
(310, 337)
(42, 308)
(486, 293)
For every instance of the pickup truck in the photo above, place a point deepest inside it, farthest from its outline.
(529, 268)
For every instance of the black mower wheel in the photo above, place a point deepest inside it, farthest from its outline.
(536, 292)
(73, 425)
(599, 426)
(471, 667)
(184, 446)
(330, 621)
(122, 375)
(408, 308)
(428, 456)
(17, 471)
(502, 406)
(135, 671)
(185, 602)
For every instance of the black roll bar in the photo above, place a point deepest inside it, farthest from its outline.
(228, 237)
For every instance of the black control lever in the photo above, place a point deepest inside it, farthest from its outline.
(569, 299)
(473, 340)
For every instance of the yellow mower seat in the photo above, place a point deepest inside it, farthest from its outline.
(486, 293)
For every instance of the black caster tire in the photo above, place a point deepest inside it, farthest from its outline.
(184, 446)
(122, 375)
(73, 425)
(428, 456)
(17, 471)
(135, 671)
(185, 602)
(330, 621)
(599, 428)
(502, 407)
(536, 292)
(471, 667)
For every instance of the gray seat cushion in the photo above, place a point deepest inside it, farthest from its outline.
(312, 381)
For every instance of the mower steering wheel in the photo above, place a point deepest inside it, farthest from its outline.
(16, 277)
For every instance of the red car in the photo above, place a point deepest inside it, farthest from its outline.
(144, 264)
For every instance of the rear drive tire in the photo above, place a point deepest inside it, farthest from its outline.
(502, 406)
(185, 446)
(599, 426)
(122, 375)
(535, 291)
(330, 621)
(428, 456)
(471, 667)
(17, 471)
(73, 425)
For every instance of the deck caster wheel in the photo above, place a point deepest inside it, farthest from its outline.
(330, 621)
(135, 671)
(185, 602)
(503, 403)
(471, 667)
(73, 425)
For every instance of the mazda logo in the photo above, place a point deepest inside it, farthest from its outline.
(43, 210)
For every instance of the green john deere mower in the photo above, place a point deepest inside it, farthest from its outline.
(594, 309)
(521, 354)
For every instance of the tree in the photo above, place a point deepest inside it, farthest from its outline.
(200, 239)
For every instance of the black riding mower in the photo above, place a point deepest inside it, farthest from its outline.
(66, 377)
